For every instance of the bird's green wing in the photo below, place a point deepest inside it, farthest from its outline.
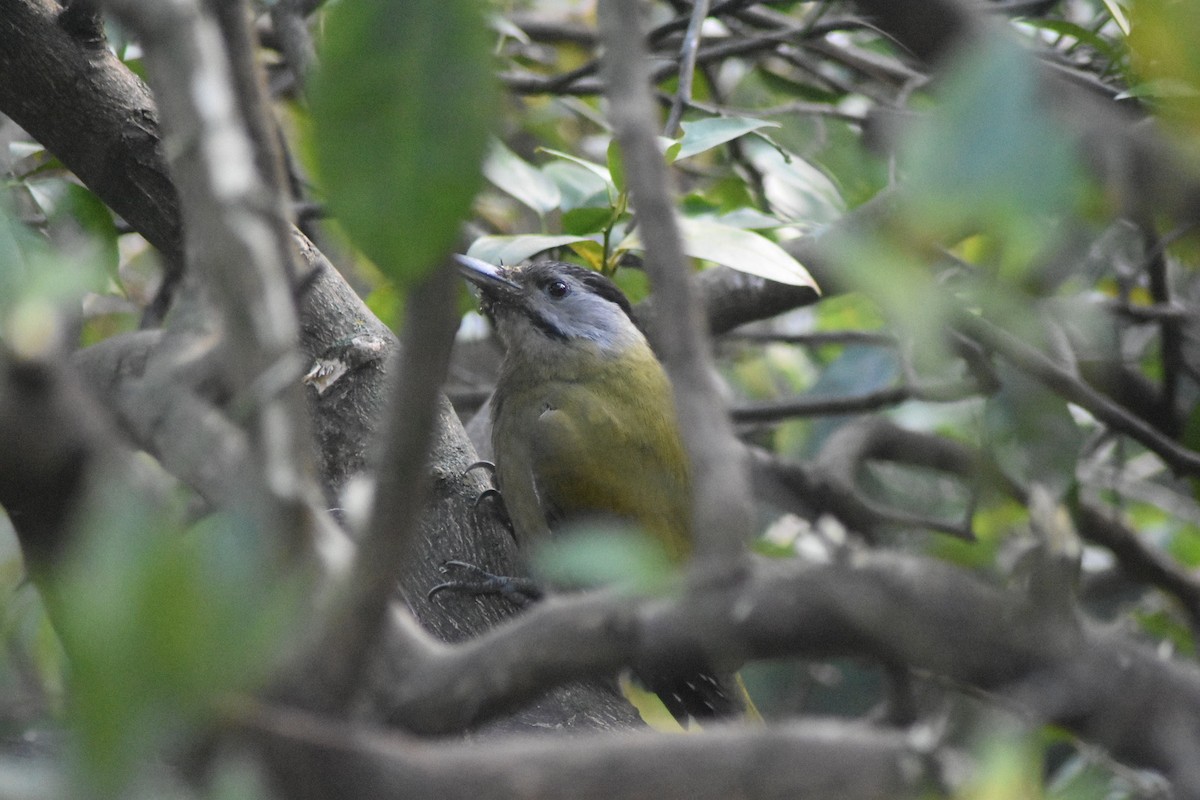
(604, 458)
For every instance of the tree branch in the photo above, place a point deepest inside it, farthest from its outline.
(315, 759)
(95, 115)
(1066, 385)
(918, 612)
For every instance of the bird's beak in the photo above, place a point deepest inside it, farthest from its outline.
(482, 274)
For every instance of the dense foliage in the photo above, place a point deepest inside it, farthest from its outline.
(948, 255)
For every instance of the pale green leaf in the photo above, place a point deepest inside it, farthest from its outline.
(591, 556)
(596, 169)
(579, 186)
(738, 249)
(1118, 15)
(796, 189)
(515, 249)
(515, 176)
(705, 134)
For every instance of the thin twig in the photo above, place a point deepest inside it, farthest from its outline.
(1169, 335)
(687, 67)
(1030, 360)
(817, 338)
(776, 410)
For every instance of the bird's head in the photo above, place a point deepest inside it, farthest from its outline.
(541, 307)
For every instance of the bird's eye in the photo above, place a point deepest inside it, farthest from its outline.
(557, 289)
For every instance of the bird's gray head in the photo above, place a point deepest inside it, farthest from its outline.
(551, 302)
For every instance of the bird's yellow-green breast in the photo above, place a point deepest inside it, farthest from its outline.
(592, 436)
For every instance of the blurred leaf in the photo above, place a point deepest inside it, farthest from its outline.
(401, 106)
(739, 249)
(596, 555)
(635, 283)
(160, 623)
(1114, 10)
(512, 174)
(506, 27)
(990, 156)
(237, 776)
(515, 249)
(705, 134)
(97, 229)
(34, 283)
(1160, 89)
(20, 251)
(386, 302)
(18, 150)
(1163, 625)
(1032, 433)
(729, 193)
(1184, 546)
(80, 225)
(1163, 45)
(1079, 778)
(1010, 767)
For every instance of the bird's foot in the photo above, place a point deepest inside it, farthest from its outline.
(471, 579)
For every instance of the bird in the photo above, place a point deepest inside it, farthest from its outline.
(584, 428)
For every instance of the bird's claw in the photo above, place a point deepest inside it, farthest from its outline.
(477, 581)
(488, 494)
(485, 465)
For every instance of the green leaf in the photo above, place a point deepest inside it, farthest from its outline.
(739, 249)
(589, 219)
(34, 281)
(705, 134)
(401, 107)
(160, 622)
(515, 249)
(82, 208)
(796, 189)
(600, 172)
(616, 167)
(590, 555)
(513, 175)
(580, 187)
(20, 251)
(1184, 546)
